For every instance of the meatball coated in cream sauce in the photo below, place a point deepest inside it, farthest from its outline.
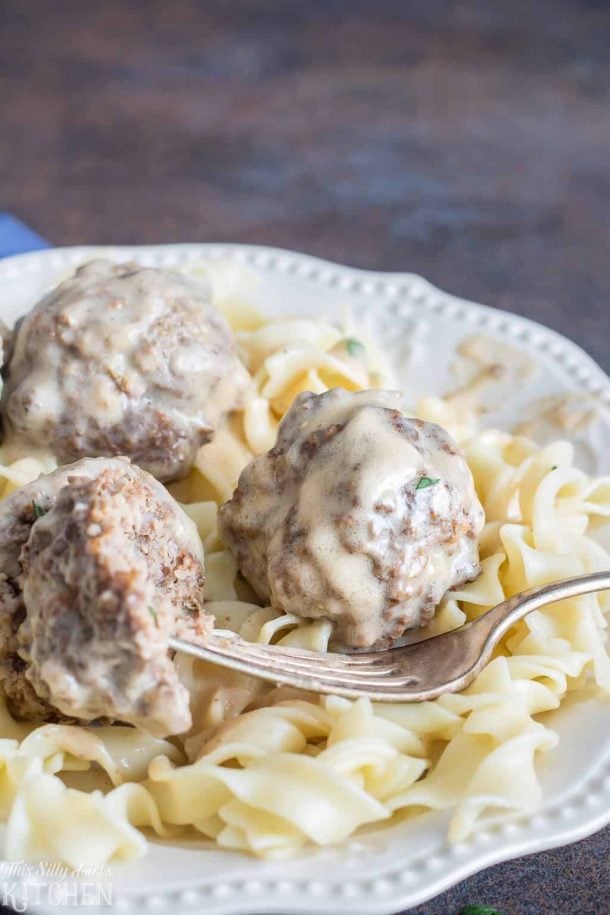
(122, 359)
(358, 515)
(100, 567)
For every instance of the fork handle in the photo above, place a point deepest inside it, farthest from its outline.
(498, 621)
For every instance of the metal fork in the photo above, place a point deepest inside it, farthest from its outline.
(412, 673)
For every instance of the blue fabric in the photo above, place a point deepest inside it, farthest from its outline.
(17, 238)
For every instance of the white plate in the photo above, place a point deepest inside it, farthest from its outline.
(385, 869)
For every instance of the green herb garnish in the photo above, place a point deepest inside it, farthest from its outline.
(153, 613)
(554, 467)
(425, 482)
(39, 511)
(354, 347)
(479, 910)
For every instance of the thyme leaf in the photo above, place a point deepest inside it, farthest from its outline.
(479, 910)
(425, 482)
(354, 347)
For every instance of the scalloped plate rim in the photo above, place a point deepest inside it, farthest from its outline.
(252, 251)
(377, 899)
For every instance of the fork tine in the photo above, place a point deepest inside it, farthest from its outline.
(334, 674)
(308, 662)
(308, 657)
(417, 672)
(304, 669)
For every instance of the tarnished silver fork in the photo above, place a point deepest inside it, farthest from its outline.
(412, 673)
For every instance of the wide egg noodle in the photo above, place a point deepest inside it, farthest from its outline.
(269, 770)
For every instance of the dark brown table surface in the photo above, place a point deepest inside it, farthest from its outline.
(466, 141)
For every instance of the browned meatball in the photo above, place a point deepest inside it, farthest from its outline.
(357, 515)
(121, 359)
(101, 567)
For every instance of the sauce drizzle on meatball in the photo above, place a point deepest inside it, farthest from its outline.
(358, 515)
(122, 359)
(101, 567)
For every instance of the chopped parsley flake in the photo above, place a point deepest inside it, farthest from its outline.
(354, 347)
(554, 467)
(425, 482)
(39, 512)
(479, 910)
(153, 613)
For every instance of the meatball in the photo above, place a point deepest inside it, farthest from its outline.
(122, 359)
(358, 515)
(101, 566)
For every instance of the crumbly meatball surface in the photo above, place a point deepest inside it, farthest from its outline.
(101, 567)
(122, 359)
(358, 515)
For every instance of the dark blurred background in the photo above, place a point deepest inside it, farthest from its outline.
(466, 141)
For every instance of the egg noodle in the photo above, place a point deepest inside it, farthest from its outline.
(269, 770)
